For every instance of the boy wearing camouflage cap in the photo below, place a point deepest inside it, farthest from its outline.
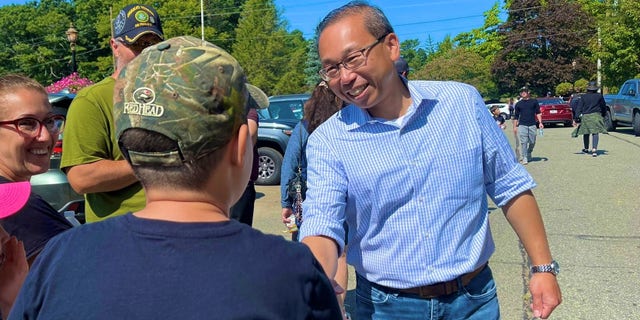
(180, 112)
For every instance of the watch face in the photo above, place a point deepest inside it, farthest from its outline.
(555, 266)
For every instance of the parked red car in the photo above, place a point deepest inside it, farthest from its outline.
(555, 110)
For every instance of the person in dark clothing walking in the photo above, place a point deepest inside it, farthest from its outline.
(526, 112)
(589, 112)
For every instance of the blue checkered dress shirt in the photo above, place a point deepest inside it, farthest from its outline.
(413, 190)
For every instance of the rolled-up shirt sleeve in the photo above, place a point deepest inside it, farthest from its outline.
(324, 207)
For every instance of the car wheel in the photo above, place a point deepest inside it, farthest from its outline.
(608, 123)
(269, 166)
(636, 123)
(568, 123)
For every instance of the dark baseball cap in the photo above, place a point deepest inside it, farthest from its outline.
(189, 90)
(592, 86)
(401, 65)
(136, 20)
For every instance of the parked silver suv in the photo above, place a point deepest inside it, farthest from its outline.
(53, 185)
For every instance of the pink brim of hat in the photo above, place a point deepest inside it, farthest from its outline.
(13, 196)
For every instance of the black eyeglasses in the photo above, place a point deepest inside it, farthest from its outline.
(353, 61)
(32, 127)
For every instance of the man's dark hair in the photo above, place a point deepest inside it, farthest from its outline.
(375, 21)
(189, 176)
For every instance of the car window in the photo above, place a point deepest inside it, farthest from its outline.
(263, 114)
(288, 109)
(551, 101)
(628, 89)
(60, 104)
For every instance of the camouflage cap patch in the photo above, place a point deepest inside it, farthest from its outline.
(186, 89)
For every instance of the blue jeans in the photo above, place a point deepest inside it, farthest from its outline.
(478, 300)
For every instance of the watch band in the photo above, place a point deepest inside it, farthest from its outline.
(553, 268)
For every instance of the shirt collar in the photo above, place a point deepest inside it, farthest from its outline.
(356, 117)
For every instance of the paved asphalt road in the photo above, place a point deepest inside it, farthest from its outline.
(591, 210)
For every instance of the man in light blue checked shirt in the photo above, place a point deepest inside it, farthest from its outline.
(412, 184)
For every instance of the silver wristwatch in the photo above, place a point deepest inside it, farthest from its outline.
(553, 268)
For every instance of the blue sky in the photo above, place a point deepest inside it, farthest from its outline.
(412, 19)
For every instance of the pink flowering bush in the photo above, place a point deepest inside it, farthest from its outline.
(71, 83)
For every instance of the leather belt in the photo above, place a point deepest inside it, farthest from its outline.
(438, 289)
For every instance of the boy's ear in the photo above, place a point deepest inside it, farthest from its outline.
(238, 146)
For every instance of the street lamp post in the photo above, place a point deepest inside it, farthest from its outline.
(573, 75)
(72, 37)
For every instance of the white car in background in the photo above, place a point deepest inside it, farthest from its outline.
(504, 109)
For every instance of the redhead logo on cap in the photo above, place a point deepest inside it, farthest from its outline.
(144, 95)
(143, 104)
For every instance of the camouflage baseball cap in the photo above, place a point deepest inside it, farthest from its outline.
(187, 89)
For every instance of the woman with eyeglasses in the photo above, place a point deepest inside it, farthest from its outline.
(28, 130)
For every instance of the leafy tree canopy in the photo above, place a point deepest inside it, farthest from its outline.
(461, 64)
(544, 43)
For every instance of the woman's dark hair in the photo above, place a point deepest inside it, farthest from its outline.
(322, 104)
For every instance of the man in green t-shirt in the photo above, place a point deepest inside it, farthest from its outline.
(92, 159)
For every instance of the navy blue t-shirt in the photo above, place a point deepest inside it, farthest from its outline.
(131, 268)
(35, 223)
(526, 111)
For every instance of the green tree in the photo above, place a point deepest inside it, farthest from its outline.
(564, 89)
(616, 40)
(430, 47)
(272, 58)
(544, 43)
(485, 41)
(32, 40)
(312, 65)
(415, 56)
(290, 63)
(463, 65)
